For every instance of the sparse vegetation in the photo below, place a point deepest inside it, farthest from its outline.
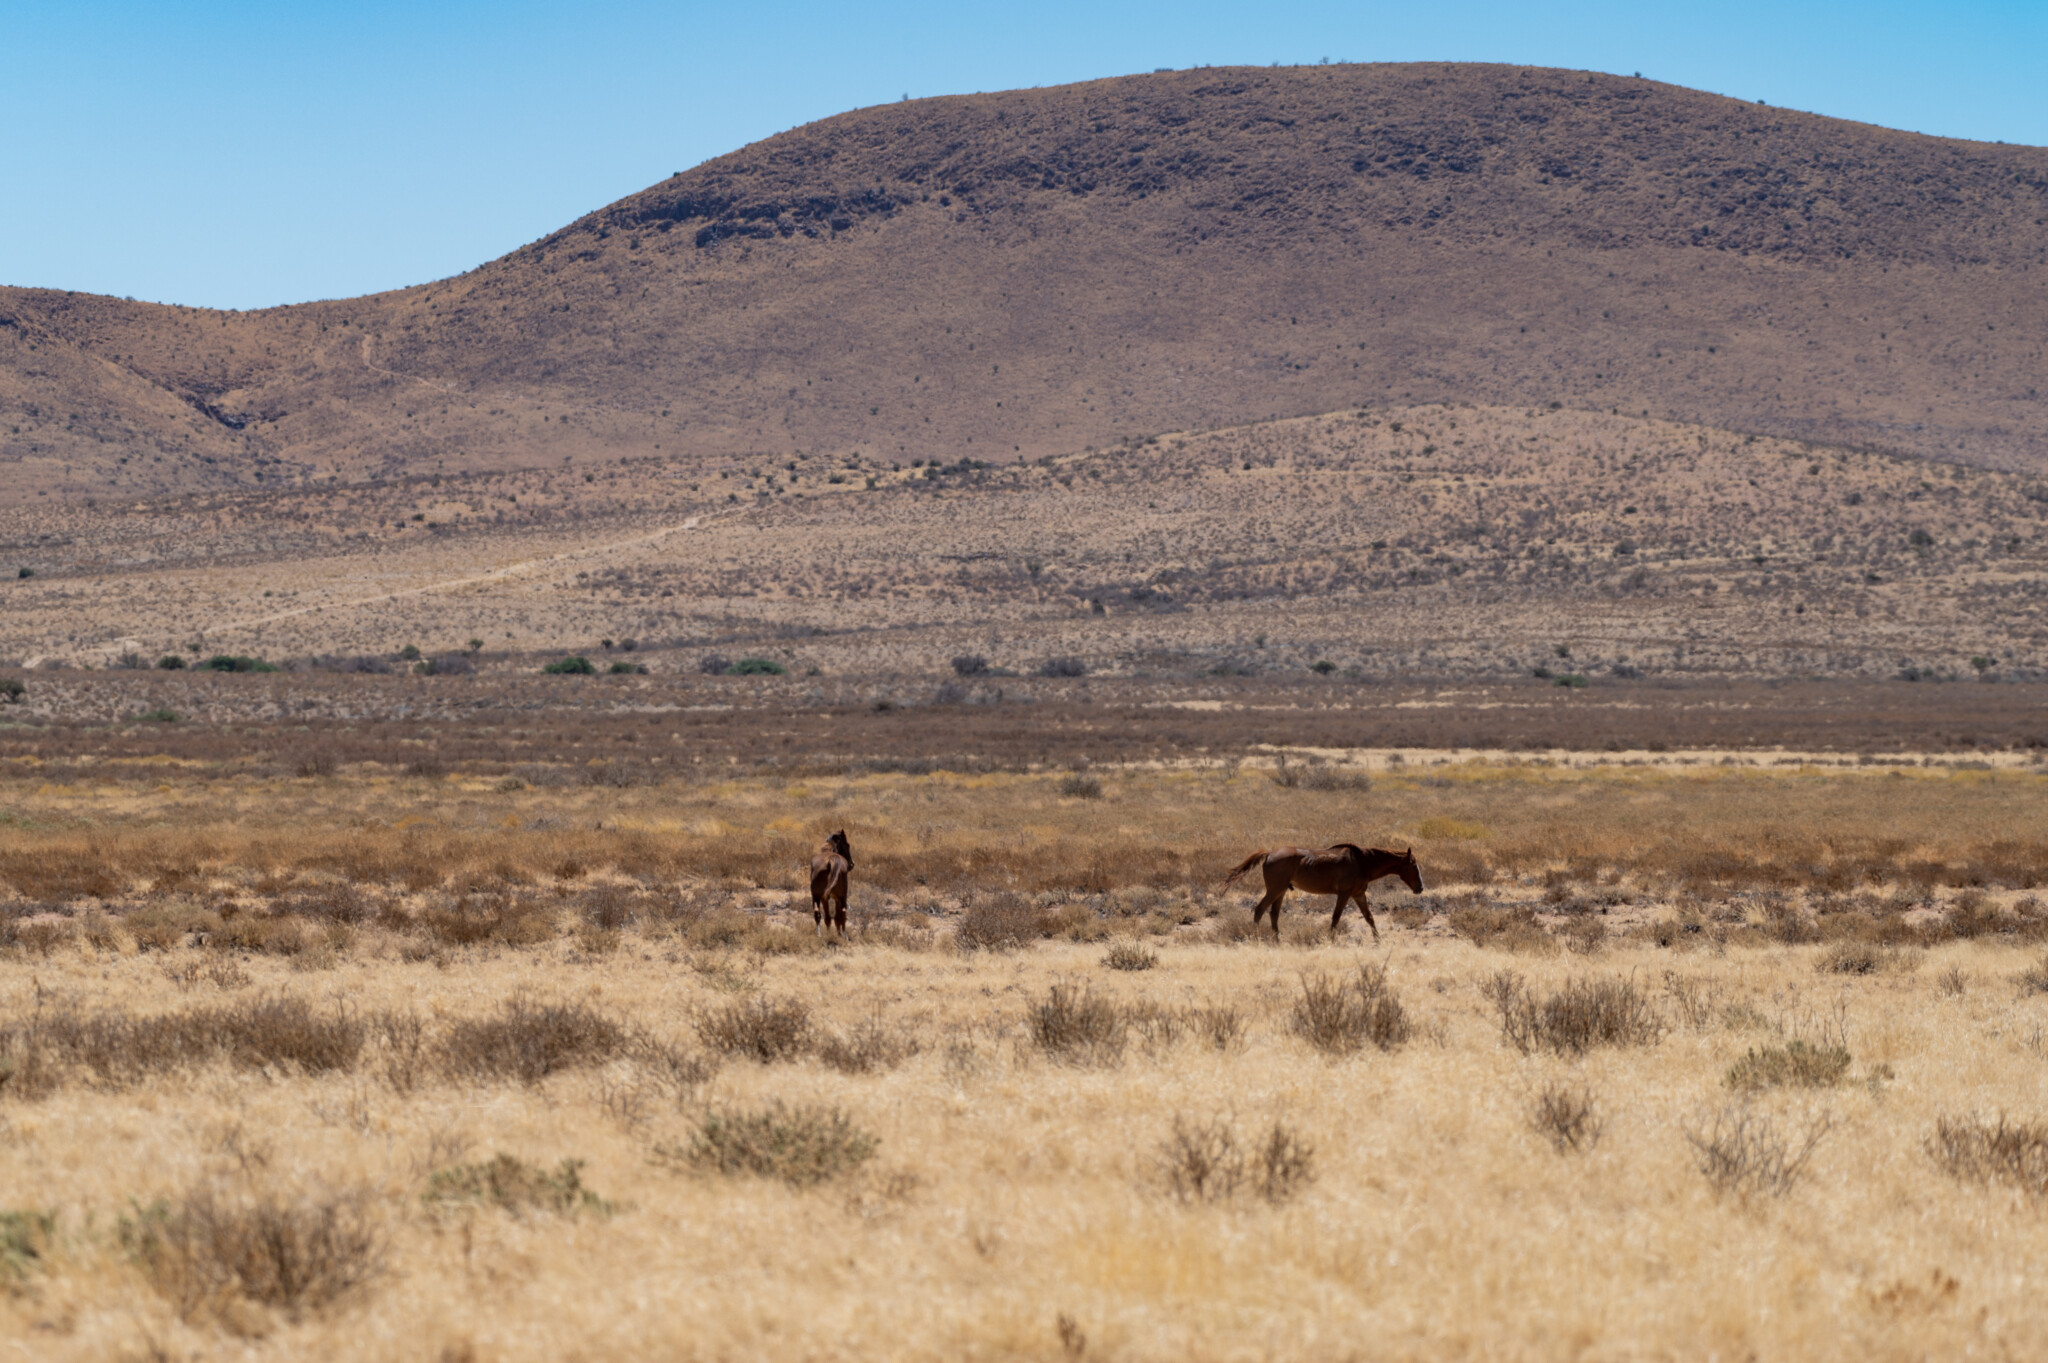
(800, 1145)
(575, 665)
(510, 1184)
(1743, 1152)
(1566, 1116)
(1585, 1013)
(1999, 1149)
(1339, 1017)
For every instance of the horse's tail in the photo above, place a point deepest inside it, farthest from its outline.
(1243, 866)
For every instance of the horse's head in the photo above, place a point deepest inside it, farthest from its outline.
(1410, 873)
(837, 842)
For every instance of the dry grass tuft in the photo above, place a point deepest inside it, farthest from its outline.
(295, 1250)
(529, 1040)
(2001, 1150)
(872, 1045)
(1341, 1017)
(1129, 955)
(999, 922)
(760, 1029)
(1566, 1116)
(1583, 1014)
(115, 1049)
(1078, 1026)
(802, 1146)
(1743, 1153)
(1206, 1162)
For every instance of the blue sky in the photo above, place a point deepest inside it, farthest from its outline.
(241, 154)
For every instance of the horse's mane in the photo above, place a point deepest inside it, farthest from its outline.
(1367, 852)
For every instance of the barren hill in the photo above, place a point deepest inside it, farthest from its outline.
(1038, 271)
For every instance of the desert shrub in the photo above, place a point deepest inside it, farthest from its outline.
(759, 667)
(625, 669)
(1796, 1064)
(2000, 1150)
(117, 1049)
(712, 664)
(161, 714)
(1063, 667)
(295, 1250)
(1953, 982)
(171, 662)
(760, 1029)
(1508, 929)
(1221, 1025)
(1317, 775)
(339, 902)
(40, 935)
(1742, 1152)
(1583, 1014)
(24, 1239)
(513, 920)
(802, 1146)
(510, 1184)
(871, 1045)
(448, 665)
(970, 665)
(1128, 955)
(1565, 1115)
(999, 922)
(2034, 979)
(1205, 1162)
(1339, 1017)
(1081, 786)
(236, 662)
(318, 762)
(1854, 958)
(575, 665)
(1693, 1001)
(1078, 1026)
(529, 1040)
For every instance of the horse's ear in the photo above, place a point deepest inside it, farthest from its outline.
(1410, 853)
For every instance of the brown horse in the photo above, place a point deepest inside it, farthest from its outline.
(1344, 871)
(830, 866)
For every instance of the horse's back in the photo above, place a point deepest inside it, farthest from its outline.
(828, 875)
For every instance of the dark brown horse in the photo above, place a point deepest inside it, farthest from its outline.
(1344, 871)
(830, 866)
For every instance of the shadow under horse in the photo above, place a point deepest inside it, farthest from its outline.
(1343, 870)
(830, 867)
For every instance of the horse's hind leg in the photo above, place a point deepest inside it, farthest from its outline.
(839, 913)
(1365, 907)
(1338, 916)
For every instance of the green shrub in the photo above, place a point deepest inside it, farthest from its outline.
(627, 669)
(759, 667)
(575, 665)
(24, 1238)
(162, 714)
(171, 662)
(513, 1185)
(12, 689)
(802, 1146)
(1796, 1064)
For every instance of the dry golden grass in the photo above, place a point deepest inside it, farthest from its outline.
(722, 1139)
(1008, 1189)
